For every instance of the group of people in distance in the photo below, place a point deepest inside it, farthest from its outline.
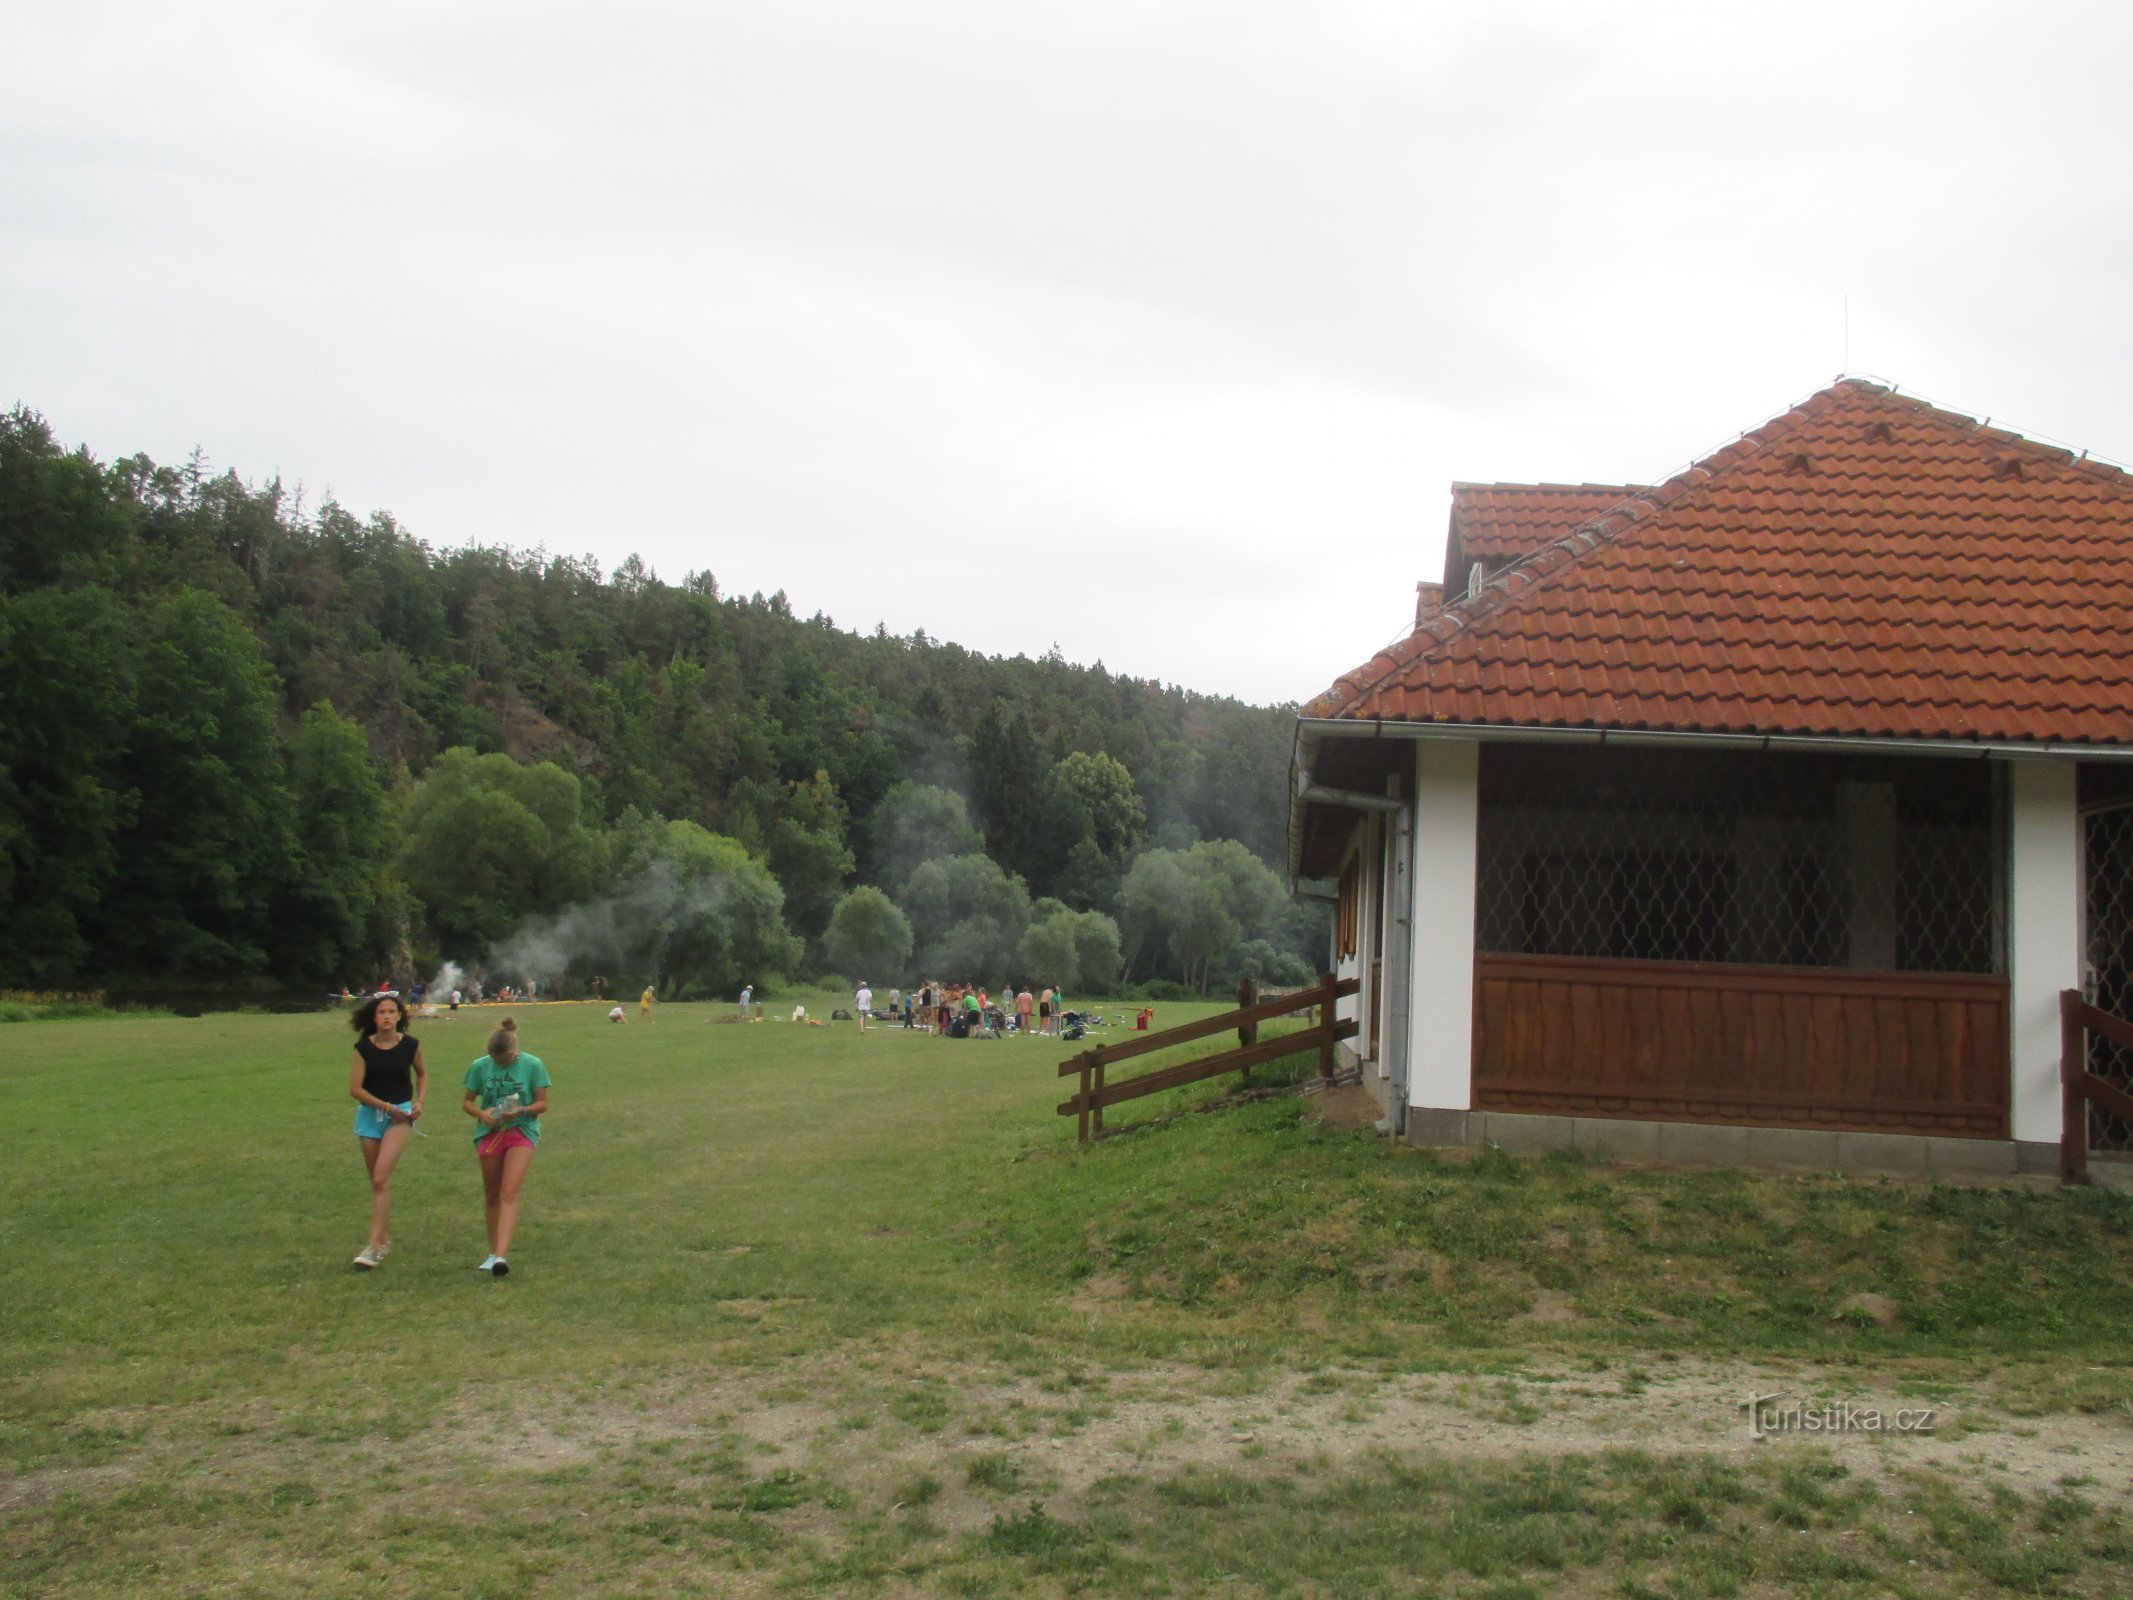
(645, 1002)
(505, 1092)
(935, 1007)
(418, 993)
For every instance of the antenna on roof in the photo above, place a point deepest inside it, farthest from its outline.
(1847, 332)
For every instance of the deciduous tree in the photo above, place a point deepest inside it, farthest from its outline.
(210, 843)
(868, 935)
(66, 711)
(489, 842)
(326, 917)
(968, 918)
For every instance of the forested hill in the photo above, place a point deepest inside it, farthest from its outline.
(240, 738)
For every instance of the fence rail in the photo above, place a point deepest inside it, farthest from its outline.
(1094, 1094)
(2081, 1088)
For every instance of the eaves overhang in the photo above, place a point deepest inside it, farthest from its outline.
(1312, 731)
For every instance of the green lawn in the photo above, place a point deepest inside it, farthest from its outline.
(799, 1311)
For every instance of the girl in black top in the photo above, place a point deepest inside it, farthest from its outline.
(387, 1079)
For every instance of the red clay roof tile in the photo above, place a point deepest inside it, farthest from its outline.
(1498, 523)
(1901, 584)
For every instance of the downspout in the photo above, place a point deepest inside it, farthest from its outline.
(1399, 971)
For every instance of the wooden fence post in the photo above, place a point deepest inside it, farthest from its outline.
(2073, 1104)
(1321, 1027)
(1247, 1032)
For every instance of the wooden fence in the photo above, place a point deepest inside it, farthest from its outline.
(1095, 1094)
(2080, 1088)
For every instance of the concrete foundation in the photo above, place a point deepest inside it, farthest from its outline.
(1699, 1143)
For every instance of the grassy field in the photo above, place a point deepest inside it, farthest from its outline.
(799, 1312)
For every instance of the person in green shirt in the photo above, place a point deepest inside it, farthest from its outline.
(507, 1090)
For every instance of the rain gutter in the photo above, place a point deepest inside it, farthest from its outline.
(1313, 728)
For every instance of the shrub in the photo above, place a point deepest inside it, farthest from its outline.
(1162, 989)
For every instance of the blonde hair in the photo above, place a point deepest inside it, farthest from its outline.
(503, 1044)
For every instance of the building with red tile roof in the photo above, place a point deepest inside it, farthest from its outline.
(1757, 800)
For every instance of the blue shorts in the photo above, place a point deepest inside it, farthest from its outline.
(371, 1123)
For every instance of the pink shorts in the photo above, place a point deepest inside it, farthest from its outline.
(501, 1140)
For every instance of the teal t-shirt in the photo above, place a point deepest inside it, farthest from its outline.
(494, 1084)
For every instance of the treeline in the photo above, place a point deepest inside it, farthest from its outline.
(242, 742)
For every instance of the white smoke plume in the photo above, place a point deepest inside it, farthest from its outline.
(629, 930)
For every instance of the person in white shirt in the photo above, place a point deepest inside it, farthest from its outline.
(863, 1003)
(747, 994)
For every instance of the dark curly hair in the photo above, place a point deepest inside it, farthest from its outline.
(364, 1019)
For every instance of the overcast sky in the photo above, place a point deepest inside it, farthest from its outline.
(1156, 331)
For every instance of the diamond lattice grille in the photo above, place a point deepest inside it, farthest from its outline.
(1786, 860)
(2108, 845)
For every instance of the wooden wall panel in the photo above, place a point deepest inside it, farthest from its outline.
(1876, 1052)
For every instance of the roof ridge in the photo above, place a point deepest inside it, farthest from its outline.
(2049, 451)
(1501, 588)
(1544, 487)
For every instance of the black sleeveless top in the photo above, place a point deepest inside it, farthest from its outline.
(389, 1074)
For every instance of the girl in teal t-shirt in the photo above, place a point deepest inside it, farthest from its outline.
(507, 1091)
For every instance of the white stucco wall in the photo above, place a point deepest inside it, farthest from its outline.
(2043, 935)
(1440, 1072)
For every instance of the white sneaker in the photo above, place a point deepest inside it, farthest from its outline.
(367, 1257)
(500, 1269)
(488, 1262)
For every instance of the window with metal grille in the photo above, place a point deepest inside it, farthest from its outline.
(2107, 861)
(1652, 854)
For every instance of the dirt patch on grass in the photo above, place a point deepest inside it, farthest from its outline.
(865, 1427)
(1099, 1288)
(1550, 1308)
(23, 1490)
(1346, 1107)
(1877, 1309)
(1163, 1420)
(754, 1308)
